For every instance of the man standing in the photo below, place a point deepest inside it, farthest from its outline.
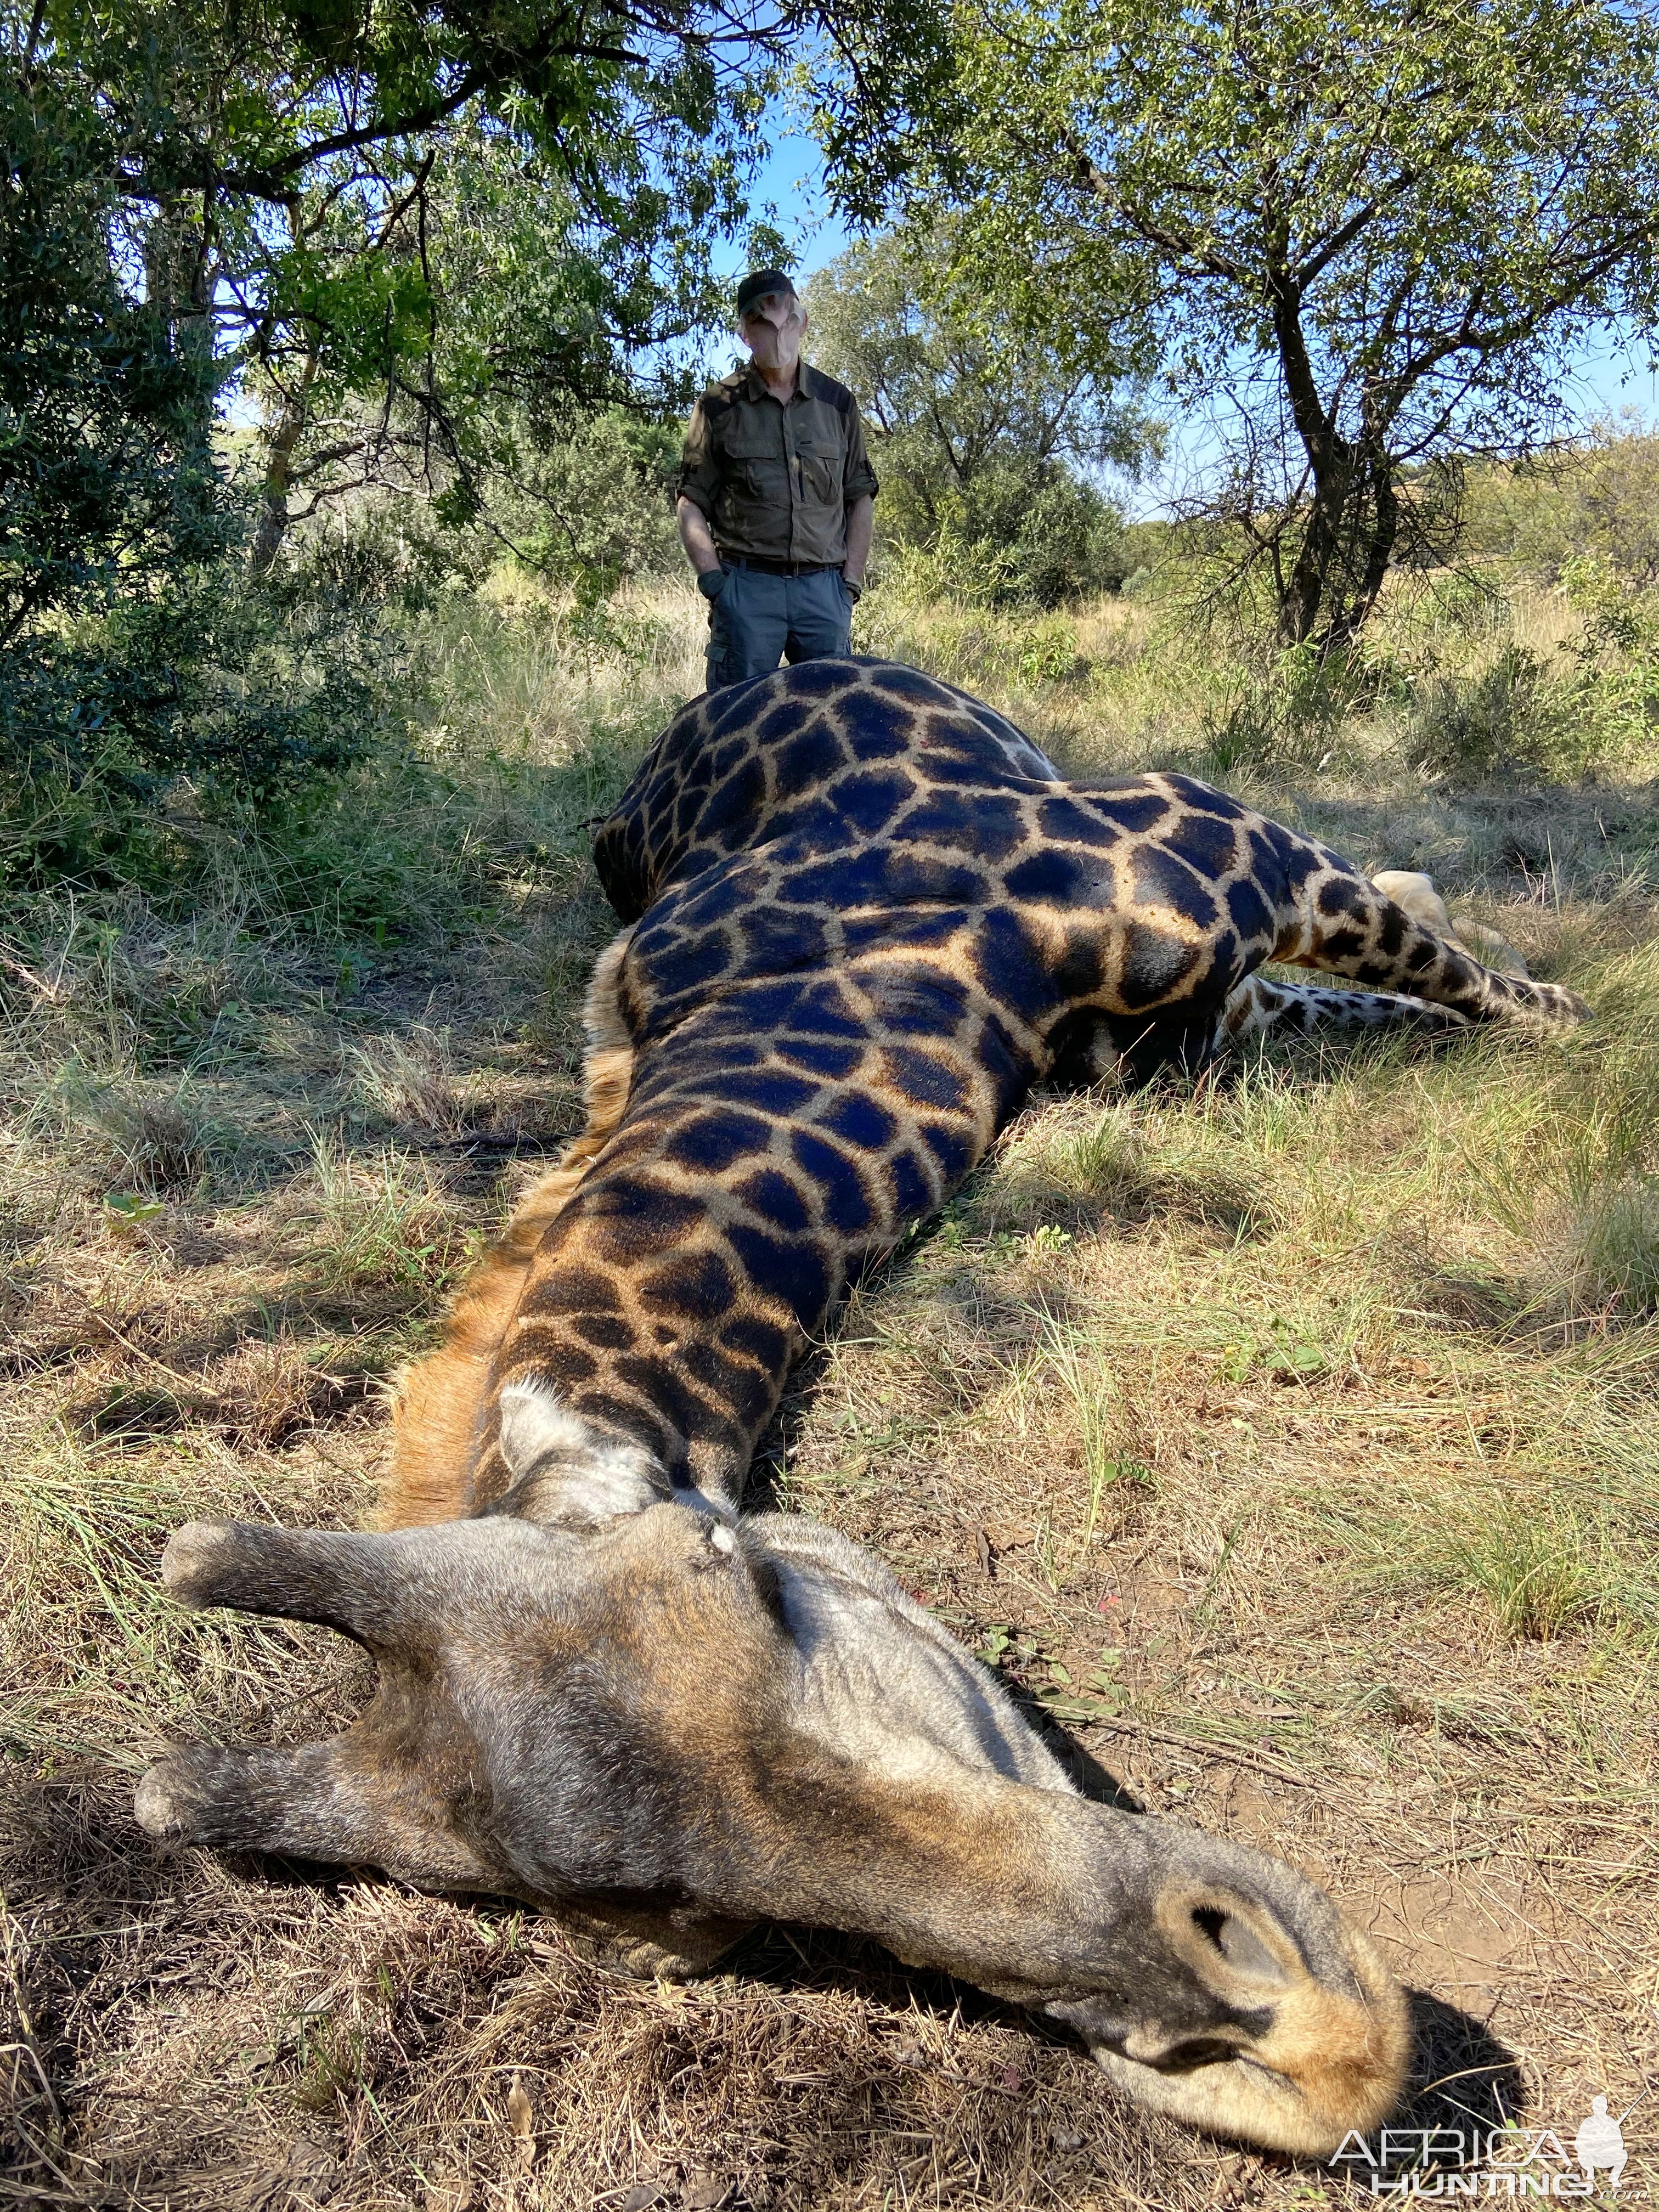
(774, 497)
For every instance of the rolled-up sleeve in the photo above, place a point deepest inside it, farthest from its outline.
(859, 479)
(699, 477)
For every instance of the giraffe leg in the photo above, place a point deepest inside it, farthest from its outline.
(1260, 1005)
(1341, 922)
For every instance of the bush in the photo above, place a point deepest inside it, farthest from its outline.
(248, 698)
(1592, 705)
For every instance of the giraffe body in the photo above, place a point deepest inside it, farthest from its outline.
(863, 916)
(866, 916)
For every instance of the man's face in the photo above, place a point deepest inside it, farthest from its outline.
(773, 330)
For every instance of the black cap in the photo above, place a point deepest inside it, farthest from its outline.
(758, 283)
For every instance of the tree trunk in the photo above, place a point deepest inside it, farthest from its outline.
(285, 433)
(1311, 586)
(1303, 595)
(1381, 538)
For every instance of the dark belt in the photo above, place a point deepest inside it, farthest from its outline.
(779, 567)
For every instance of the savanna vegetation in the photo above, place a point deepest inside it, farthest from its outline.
(1286, 1439)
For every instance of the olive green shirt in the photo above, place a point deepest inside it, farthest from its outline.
(775, 481)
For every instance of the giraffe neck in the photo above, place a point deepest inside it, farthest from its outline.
(749, 1178)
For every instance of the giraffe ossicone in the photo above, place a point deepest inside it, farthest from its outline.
(863, 914)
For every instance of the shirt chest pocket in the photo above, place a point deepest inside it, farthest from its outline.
(818, 451)
(752, 451)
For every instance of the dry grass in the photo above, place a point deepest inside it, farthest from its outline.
(1290, 1441)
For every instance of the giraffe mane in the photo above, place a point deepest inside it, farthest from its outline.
(440, 1400)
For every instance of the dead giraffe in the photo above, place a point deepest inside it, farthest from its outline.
(865, 915)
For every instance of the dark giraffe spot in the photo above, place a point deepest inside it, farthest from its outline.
(606, 1332)
(918, 1005)
(869, 800)
(895, 682)
(718, 1139)
(734, 1386)
(792, 1270)
(729, 891)
(858, 1120)
(1074, 821)
(914, 877)
(951, 1146)
(1154, 964)
(807, 762)
(739, 794)
(1056, 877)
(772, 1196)
(1341, 945)
(888, 928)
(1249, 912)
(1163, 879)
(694, 1285)
(845, 881)
(571, 1289)
(835, 1062)
(824, 1012)
(788, 1003)
(1203, 799)
(784, 936)
(1340, 895)
(842, 1200)
(769, 1090)
(1266, 864)
(1206, 845)
(751, 1336)
(1011, 965)
(632, 1218)
(685, 964)
(924, 1078)
(1135, 812)
(777, 725)
(822, 679)
(992, 828)
(1392, 934)
(664, 1383)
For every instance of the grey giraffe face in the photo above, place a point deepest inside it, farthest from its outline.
(670, 1728)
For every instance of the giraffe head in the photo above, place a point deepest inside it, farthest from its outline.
(673, 1726)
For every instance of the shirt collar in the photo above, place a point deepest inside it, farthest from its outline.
(754, 384)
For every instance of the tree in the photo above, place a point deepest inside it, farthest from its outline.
(384, 220)
(993, 444)
(1374, 230)
(103, 474)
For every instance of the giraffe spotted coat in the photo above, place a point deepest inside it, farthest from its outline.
(865, 915)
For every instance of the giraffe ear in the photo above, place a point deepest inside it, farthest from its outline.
(362, 1585)
(331, 1800)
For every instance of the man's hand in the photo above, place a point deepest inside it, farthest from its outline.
(697, 538)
